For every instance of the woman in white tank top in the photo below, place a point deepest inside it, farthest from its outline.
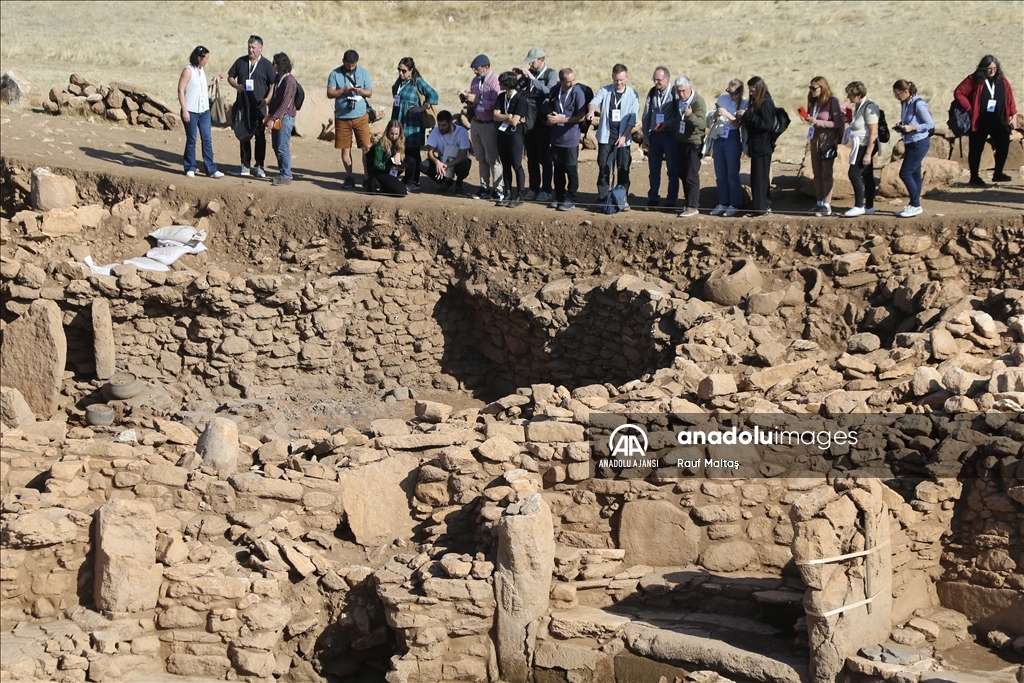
(194, 99)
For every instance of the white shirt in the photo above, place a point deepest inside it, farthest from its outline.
(197, 95)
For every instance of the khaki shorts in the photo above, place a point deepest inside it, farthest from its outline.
(345, 128)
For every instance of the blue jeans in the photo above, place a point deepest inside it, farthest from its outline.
(198, 123)
(910, 171)
(663, 145)
(281, 140)
(727, 169)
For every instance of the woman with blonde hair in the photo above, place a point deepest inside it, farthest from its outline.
(386, 158)
(827, 122)
(727, 149)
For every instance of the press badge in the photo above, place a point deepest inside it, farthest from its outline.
(394, 173)
(397, 101)
(250, 85)
(503, 127)
(991, 106)
(616, 115)
(659, 119)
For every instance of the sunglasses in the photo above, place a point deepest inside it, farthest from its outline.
(402, 70)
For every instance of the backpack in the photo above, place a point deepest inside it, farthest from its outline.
(531, 113)
(782, 122)
(588, 95)
(615, 200)
(883, 127)
(959, 121)
(300, 95)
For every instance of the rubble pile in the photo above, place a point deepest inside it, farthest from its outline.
(117, 102)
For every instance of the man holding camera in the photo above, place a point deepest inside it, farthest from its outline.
(349, 85)
(447, 161)
(537, 83)
(481, 100)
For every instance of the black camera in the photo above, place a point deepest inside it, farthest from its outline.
(462, 97)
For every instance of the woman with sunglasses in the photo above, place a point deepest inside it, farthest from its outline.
(915, 127)
(726, 149)
(281, 117)
(407, 90)
(194, 99)
(827, 123)
(987, 96)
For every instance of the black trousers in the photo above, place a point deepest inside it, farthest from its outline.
(538, 158)
(607, 156)
(565, 161)
(760, 182)
(385, 183)
(510, 152)
(688, 163)
(999, 135)
(862, 177)
(412, 164)
(260, 143)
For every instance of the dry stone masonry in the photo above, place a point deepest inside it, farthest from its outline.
(117, 102)
(206, 531)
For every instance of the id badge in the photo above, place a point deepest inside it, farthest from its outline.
(394, 173)
(810, 133)
(250, 85)
(480, 107)
(991, 106)
(503, 127)
(616, 115)
(659, 119)
(682, 127)
(398, 102)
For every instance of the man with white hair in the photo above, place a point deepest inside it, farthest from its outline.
(689, 140)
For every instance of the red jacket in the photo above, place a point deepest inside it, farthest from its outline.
(968, 95)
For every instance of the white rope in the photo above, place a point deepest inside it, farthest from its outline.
(848, 607)
(839, 558)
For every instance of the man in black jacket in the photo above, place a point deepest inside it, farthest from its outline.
(659, 124)
(537, 83)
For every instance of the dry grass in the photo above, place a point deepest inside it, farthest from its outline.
(934, 44)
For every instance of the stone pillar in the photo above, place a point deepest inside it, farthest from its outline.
(837, 520)
(522, 582)
(127, 575)
(103, 339)
(33, 356)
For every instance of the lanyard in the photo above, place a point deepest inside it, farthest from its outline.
(563, 102)
(252, 67)
(617, 102)
(399, 91)
(661, 98)
(991, 85)
(508, 99)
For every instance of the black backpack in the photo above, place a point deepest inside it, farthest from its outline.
(782, 122)
(531, 113)
(300, 94)
(883, 127)
(959, 121)
(588, 94)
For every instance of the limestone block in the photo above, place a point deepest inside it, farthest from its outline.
(218, 444)
(657, 533)
(52, 191)
(103, 339)
(14, 411)
(44, 527)
(33, 356)
(376, 499)
(127, 575)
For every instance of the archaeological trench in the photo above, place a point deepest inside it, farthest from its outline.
(201, 477)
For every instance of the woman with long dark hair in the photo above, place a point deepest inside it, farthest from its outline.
(510, 118)
(759, 120)
(281, 117)
(194, 99)
(827, 122)
(986, 95)
(915, 126)
(407, 89)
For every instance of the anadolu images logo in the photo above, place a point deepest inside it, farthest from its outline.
(625, 442)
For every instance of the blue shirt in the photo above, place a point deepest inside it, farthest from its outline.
(628, 103)
(350, 106)
(914, 112)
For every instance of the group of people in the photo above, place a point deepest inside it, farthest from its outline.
(544, 114)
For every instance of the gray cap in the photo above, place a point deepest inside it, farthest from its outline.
(535, 53)
(481, 60)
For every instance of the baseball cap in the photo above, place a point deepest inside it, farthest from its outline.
(481, 60)
(535, 53)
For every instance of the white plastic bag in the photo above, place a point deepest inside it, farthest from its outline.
(169, 253)
(181, 234)
(99, 270)
(147, 264)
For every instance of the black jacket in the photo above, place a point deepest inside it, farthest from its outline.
(760, 125)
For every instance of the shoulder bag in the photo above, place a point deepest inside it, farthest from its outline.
(429, 115)
(218, 108)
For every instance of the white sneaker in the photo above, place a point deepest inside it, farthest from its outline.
(731, 211)
(216, 174)
(719, 210)
(855, 211)
(244, 172)
(190, 174)
(910, 211)
(260, 173)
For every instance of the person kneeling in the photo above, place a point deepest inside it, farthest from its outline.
(448, 160)
(386, 161)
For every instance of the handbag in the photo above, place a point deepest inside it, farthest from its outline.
(218, 108)
(429, 115)
(828, 150)
(244, 127)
